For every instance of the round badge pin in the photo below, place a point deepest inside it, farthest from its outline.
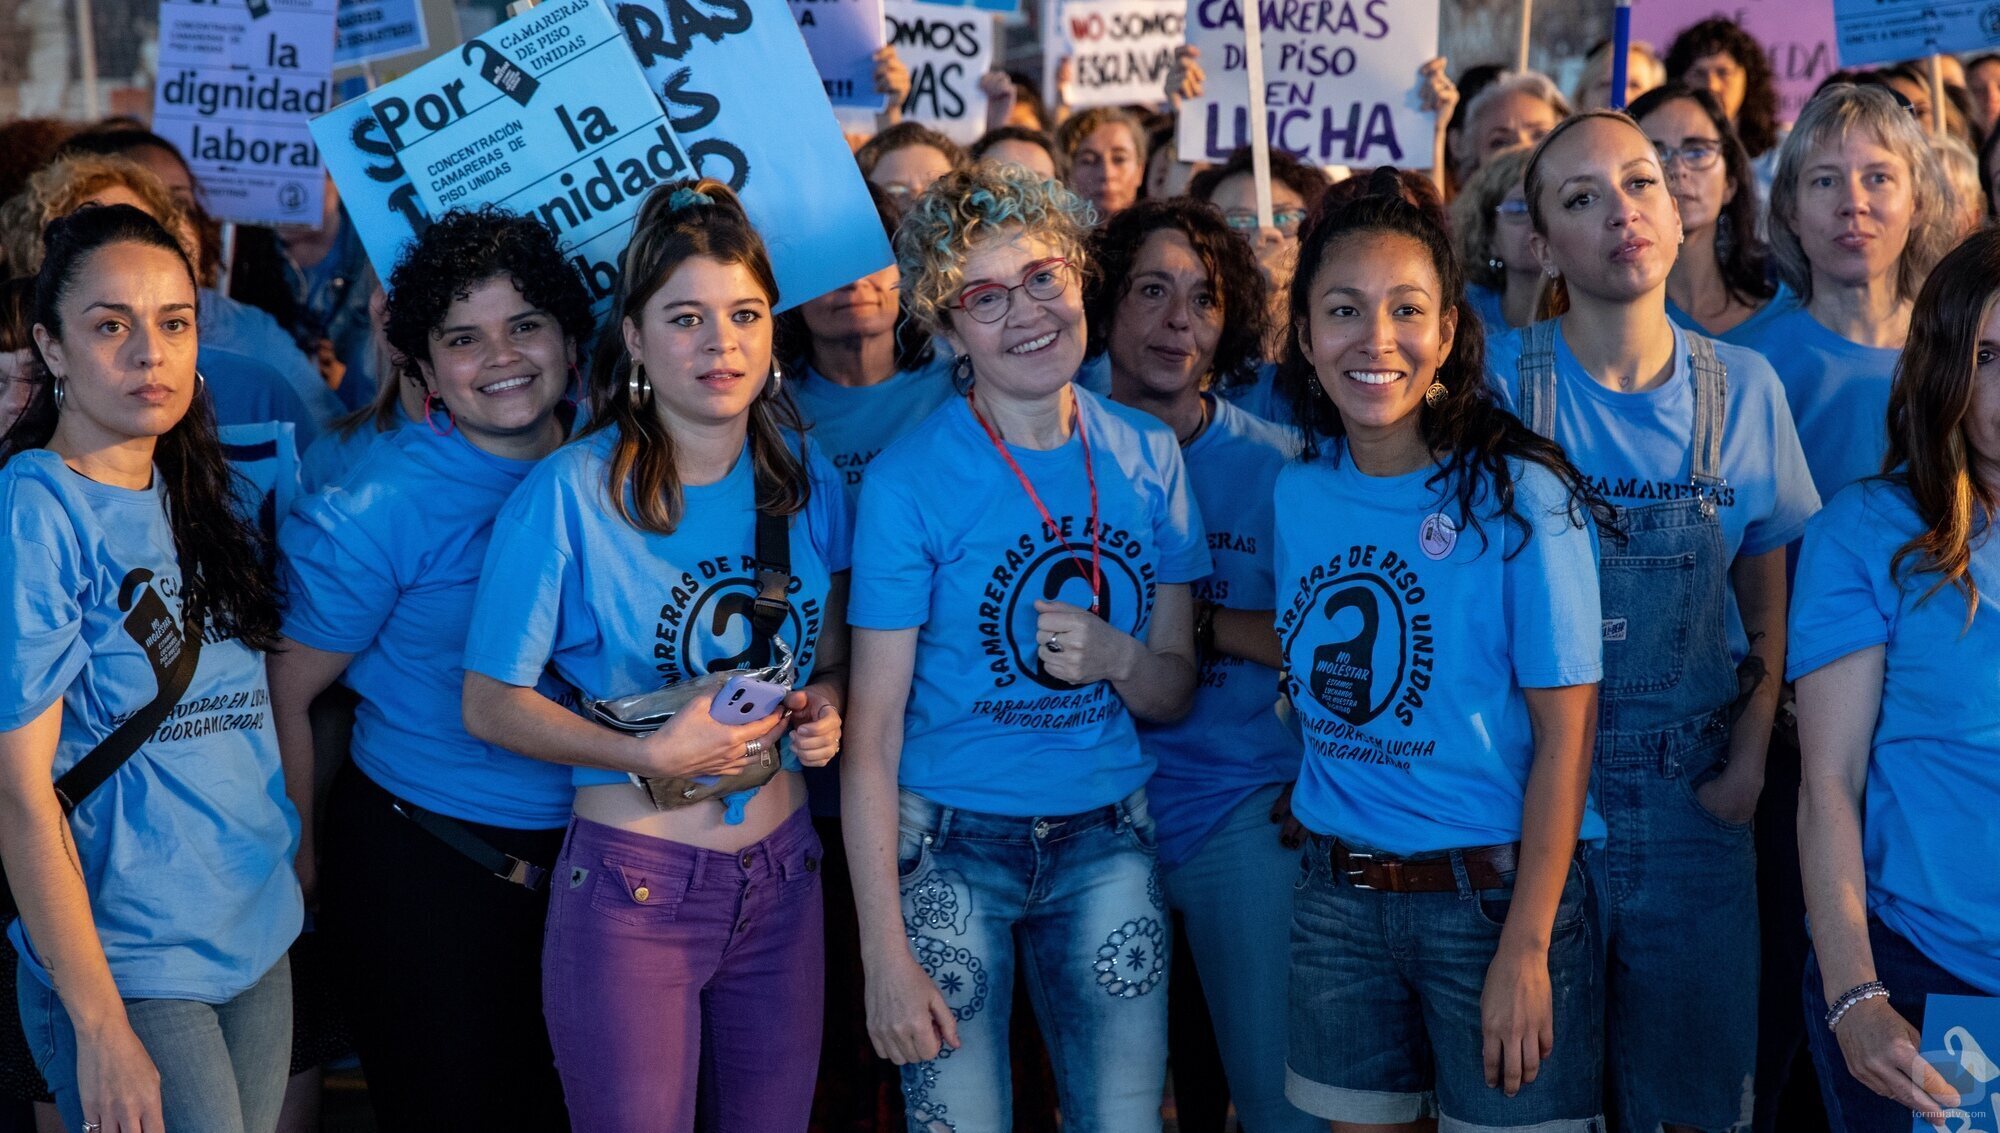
(1437, 536)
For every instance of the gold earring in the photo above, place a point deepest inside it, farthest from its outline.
(1435, 395)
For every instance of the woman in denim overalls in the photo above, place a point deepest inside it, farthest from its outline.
(1691, 439)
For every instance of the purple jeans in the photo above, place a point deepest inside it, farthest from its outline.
(669, 970)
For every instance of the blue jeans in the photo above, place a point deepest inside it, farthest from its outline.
(1911, 978)
(1235, 900)
(1385, 1019)
(1075, 900)
(222, 1066)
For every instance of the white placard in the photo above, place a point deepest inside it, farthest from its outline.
(1119, 50)
(946, 50)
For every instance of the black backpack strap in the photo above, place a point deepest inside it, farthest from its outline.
(774, 575)
(104, 760)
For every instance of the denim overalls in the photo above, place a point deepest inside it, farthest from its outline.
(1676, 886)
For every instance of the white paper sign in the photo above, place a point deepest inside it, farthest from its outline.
(946, 50)
(1340, 80)
(238, 81)
(1119, 50)
(379, 29)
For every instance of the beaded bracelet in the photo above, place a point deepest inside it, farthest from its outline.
(1859, 993)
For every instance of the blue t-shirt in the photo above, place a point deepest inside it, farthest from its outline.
(1742, 333)
(187, 850)
(1260, 396)
(1408, 641)
(615, 610)
(1489, 305)
(331, 456)
(852, 424)
(1232, 743)
(266, 459)
(1839, 395)
(1095, 374)
(240, 328)
(383, 564)
(948, 542)
(245, 391)
(1928, 835)
(1637, 449)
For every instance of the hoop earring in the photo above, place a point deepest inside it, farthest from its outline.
(57, 386)
(1436, 394)
(636, 384)
(450, 420)
(777, 382)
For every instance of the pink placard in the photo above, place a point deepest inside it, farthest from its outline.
(1797, 36)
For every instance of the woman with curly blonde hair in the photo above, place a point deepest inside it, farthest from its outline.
(1020, 598)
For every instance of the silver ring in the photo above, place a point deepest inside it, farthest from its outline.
(1053, 645)
(753, 749)
(92, 1126)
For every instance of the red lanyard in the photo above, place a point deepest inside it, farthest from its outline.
(1089, 473)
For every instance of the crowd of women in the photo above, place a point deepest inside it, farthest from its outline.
(1469, 620)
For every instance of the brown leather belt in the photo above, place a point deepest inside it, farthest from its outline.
(1486, 867)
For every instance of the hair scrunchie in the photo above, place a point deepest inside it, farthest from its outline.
(685, 198)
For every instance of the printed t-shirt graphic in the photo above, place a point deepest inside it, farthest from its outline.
(569, 584)
(852, 425)
(949, 542)
(1409, 637)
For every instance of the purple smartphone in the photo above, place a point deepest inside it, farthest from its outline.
(744, 699)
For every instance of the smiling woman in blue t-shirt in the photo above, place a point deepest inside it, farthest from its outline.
(166, 900)
(439, 969)
(1896, 651)
(688, 531)
(1438, 612)
(1020, 597)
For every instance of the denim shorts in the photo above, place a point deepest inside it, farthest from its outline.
(1385, 1020)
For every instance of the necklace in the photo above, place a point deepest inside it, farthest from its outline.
(1090, 475)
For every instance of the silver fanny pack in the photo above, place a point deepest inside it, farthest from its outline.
(644, 713)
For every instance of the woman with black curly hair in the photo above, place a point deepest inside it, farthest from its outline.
(1437, 605)
(1178, 304)
(135, 606)
(436, 841)
(1718, 56)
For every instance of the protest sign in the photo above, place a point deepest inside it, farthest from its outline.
(741, 93)
(237, 81)
(1887, 31)
(1961, 1040)
(1340, 80)
(843, 36)
(1798, 38)
(946, 50)
(1120, 50)
(378, 196)
(378, 29)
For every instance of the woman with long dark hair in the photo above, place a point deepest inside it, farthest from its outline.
(440, 970)
(1179, 300)
(1438, 613)
(1718, 284)
(688, 532)
(1690, 440)
(1020, 599)
(1896, 653)
(139, 602)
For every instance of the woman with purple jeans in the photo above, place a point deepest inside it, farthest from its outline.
(683, 955)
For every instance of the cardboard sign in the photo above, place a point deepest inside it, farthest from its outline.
(946, 50)
(1798, 38)
(1340, 80)
(237, 82)
(378, 29)
(1962, 1040)
(1887, 31)
(741, 93)
(842, 36)
(375, 191)
(1120, 50)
